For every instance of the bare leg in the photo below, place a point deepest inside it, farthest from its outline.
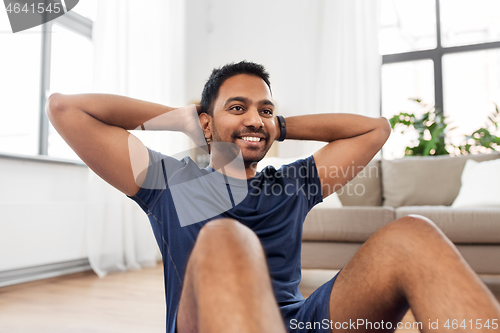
(411, 263)
(227, 286)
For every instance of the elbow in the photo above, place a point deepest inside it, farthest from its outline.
(385, 127)
(54, 104)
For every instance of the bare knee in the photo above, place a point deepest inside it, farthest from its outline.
(415, 227)
(224, 225)
(410, 236)
(226, 239)
(411, 225)
(226, 230)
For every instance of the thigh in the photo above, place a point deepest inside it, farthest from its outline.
(408, 261)
(370, 286)
(364, 294)
(227, 282)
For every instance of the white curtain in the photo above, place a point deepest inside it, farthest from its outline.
(139, 54)
(347, 63)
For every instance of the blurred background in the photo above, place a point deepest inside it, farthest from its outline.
(363, 56)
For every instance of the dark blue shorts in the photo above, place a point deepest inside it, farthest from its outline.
(312, 314)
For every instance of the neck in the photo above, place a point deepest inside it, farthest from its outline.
(251, 170)
(235, 170)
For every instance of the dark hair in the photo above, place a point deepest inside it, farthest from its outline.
(219, 75)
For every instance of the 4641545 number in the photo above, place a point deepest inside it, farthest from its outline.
(470, 324)
(55, 8)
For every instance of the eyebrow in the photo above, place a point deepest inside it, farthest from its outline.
(247, 101)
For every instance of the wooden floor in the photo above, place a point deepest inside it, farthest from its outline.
(121, 302)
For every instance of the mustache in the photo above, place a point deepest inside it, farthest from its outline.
(258, 131)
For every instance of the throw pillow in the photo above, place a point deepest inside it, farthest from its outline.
(425, 180)
(480, 184)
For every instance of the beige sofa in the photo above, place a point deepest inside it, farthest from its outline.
(389, 189)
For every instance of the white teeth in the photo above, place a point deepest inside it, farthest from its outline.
(250, 138)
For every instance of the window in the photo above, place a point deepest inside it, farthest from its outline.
(471, 82)
(400, 80)
(407, 26)
(465, 22)
(56, 56)
(20, 102)
(451, 60)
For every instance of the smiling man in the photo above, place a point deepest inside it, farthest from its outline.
(234, 266)
(240, 112)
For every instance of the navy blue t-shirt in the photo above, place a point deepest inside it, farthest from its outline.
(274, 207)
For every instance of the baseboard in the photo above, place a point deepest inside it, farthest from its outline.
(28, 274)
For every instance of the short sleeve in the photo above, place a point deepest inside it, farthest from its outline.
(305, 173)
(159, 167)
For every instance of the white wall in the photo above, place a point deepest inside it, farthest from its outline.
(42, 213)
(267, 32)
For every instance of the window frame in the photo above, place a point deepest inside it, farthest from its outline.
(436, 55)
(76, 23)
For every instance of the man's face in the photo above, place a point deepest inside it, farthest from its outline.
(244, 115)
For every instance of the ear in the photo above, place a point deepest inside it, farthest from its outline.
(206, 124)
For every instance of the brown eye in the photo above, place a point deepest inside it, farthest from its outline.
(236, 108)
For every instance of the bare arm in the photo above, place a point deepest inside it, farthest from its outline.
(353, 141)
(96, 127)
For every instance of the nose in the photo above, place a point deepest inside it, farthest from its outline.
(253, 119)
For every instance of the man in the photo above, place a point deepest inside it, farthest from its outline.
(238, 269)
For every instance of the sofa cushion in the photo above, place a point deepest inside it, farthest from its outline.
(461, 225)
(480, 185)
(328, 255)
(365, 189)
(429, 180)
(347, 224)
(484, 259)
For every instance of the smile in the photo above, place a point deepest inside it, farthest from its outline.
(250, 138)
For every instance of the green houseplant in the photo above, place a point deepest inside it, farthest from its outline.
(484, 137)
(432, 128)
